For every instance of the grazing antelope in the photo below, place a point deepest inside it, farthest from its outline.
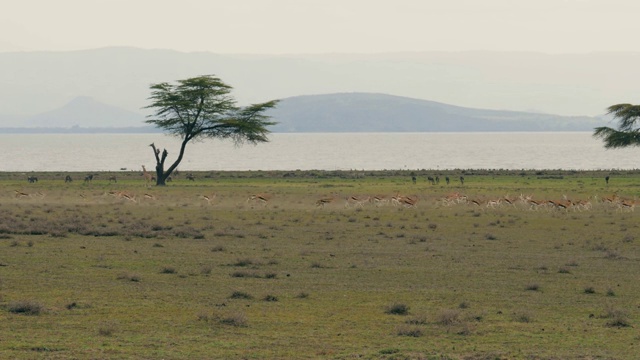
(112, 178)
(190, 177)
(88, 178)
(32, 179)
(150, 197)
(68, 179)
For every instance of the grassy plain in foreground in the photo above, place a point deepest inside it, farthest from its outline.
(166, 273)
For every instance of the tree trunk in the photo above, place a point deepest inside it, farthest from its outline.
(161, 175)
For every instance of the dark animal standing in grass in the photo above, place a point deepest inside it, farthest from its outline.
(431, 180)
(437, 179)
(413, 178)
(191, 177)
(606, 180)
(32, 179)
(462, 180)
(113, 178)
(68, 179)
(446, 179)
(88, 178)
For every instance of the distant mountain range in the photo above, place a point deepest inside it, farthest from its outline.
(364, 112)
(344, 112)
(564, 84)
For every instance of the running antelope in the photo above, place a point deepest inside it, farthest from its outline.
(357, 201)
(262, 198)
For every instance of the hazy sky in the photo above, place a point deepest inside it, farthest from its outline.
(321, 26)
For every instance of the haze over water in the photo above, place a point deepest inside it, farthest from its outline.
(331, 151)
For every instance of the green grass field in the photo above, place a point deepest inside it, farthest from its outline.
(162, 273)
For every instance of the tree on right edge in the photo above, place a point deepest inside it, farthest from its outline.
(628, 131)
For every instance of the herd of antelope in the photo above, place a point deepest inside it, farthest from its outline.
(528, 202)
(402, 201)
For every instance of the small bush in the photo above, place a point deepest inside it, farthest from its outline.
(129, 276)
(168, 270)
(244, 262)
(532, 287)
(417, 320)
(589, 290)
(237, 320)
(610, 292)
(397, 309)
(617, 318)
(244, 274)
(270, 298)
(240, 295)
(26, 307)
(522, 316)
(218, 248)
(106, 329)
(412, 331)
(448, 317)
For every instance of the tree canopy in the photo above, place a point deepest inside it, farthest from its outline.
(202, 108)
(628, 130)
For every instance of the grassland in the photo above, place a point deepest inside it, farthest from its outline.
(85, 273)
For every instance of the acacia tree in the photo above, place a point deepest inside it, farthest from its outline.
(202, 108)
(628, 131)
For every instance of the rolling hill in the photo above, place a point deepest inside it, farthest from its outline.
(342, 112)
(365, 112)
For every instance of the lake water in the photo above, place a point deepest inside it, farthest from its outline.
(331, 151)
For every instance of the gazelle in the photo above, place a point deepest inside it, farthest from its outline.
(379, 200)
(147, 177)
(626, 205)
(20, 194)
(208, 198)
(262, 198)
(406, 201)
(357, 201)
(323, 201)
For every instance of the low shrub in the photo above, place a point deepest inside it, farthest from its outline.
(412, 331)
(397, 309)
(26, 307)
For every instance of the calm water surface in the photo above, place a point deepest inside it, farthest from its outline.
(342, 151)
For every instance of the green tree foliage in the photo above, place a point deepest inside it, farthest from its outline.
(628, 131)
(201, 108)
